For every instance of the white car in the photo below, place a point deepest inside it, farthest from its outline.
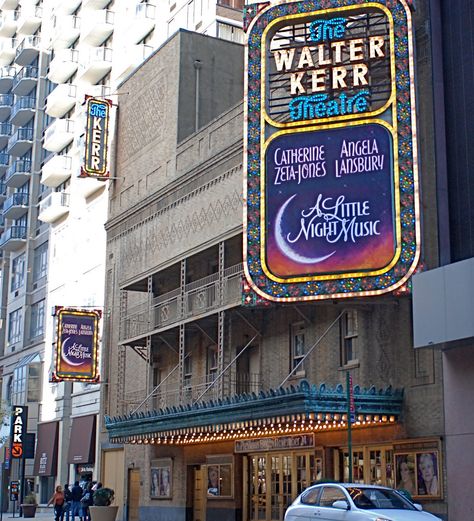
(354, 502)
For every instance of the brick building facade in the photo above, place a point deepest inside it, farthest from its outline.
(200, 384)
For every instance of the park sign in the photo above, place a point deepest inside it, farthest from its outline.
(76, 352)
(19, 426)
(96, 138)
(331, 187)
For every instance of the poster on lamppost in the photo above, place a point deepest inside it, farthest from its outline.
(77, 345)
(331, 187)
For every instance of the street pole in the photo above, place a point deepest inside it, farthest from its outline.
(22, 483)
(350, 413)
(1, 491)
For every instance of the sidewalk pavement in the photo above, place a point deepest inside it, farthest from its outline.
(41, 513)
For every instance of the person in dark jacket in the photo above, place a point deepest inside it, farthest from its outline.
(67, 501)
(76, 496)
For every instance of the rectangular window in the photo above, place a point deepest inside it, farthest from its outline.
(14, 326)
(297, 346)
(349, 333)
(211, 363)
(19, 384)
(34, 382)
(18, 272)
(219, 480)
(37, 319)
(40, 263)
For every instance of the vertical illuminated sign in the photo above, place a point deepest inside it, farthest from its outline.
(19, 426)
(96, 140)
(77, 345)
(331, 188)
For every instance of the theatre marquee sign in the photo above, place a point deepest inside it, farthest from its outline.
(332, 203)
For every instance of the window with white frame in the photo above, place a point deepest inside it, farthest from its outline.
(297, 347)
(37, 319)
(349, 334)
(14, 326)
(18, 272)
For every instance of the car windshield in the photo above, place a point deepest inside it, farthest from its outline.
(374, 498)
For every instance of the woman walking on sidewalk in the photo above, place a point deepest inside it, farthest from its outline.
(57, 500)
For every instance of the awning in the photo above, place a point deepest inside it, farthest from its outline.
(82, 441)
(296, 409)
(46, 458)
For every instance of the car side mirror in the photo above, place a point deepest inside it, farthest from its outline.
(418, 506)
(341, 504)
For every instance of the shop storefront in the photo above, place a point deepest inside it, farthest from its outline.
(46, 459)
(242, 459)
(82, 448)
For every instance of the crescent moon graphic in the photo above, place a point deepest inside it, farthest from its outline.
(66, 360)
(283, 245)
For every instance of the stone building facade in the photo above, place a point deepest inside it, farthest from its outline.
(217, 405)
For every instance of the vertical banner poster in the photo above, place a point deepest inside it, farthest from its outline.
(96, 139)
(77, 345)
(331, 187)
(19, 427)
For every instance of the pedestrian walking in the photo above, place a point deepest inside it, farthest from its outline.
(87, 501)
(76, 496)
(57, 500)
(67, 501)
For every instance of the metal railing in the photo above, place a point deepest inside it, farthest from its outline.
(199, 297)
(18, 199)
(169, 393)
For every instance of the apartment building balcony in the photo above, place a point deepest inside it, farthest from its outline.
(56, 171)
(58, 135)
(15, 206)
(8, 23)
(6, 102)
(63, 65)
(13, 238)
(55, 206)
(27, 50)
(67, 30)
(94, 4)
(130, 59)
(97, 27)
(3, 191)
(8, 4)
(6, 130)
(7, 51)
(4, 162)
(25, 80)
(20, 142)
(29, 19)
(61, 100)
(2, 224)
(142, 23)
(66, 6)
(23, 110)
(7, 74)
(18, 173)
(97, 63)
(199, 298)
